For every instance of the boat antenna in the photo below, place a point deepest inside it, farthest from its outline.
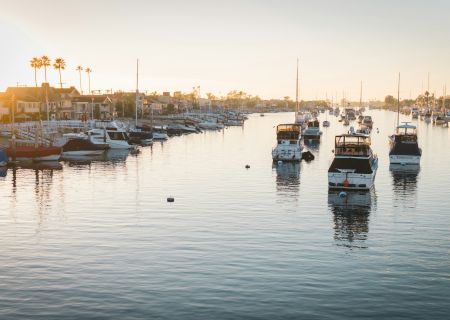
(137, 91)
(296, 91)
(398, 101)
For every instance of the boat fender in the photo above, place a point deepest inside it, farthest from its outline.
(342, 194)
(280, 162)
(346, 183)
(247, 166)
(170, 199)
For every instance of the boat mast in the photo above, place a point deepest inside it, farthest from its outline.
(360, 96)
(137, 91)
(296, 93)
(398, 101)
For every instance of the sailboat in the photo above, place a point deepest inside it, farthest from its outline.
(404, 143)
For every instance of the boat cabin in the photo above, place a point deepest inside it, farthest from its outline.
(288, 132)
(352, 145)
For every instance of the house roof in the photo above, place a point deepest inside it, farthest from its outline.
(95, 99)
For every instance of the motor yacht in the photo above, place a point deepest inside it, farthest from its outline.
(404, 145)
(367, 122)
(312, 131)
(83, 147)
(355, 165)
(289, 147)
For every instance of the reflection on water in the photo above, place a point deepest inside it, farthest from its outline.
(404, 180)
(351, 216)
(288, 177)
(3, 172)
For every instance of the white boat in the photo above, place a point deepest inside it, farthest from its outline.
(116, 139)
(289, 147)
(355, 165)
(312, 131)
(160, 135)
(210, 125)
(404, 145)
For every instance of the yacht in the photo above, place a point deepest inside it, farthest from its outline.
(289, 147)
(116, 139)
(355, 165)
(404, 146)
(367, 122)
(312, 131)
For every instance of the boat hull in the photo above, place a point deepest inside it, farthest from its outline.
(286, 154)
(35, 154)
(83, 153)
(356, 181)
(404, 159)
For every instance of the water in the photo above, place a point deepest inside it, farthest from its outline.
(98, 239)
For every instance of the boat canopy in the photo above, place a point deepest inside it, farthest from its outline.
(403, 128)
(352, 145)
(288, 131)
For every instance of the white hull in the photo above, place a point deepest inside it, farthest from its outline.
(53, 157)
(356, 181)
(82, 153)
(160, 136)
(404, 159)
(286, 153)
(119, 144)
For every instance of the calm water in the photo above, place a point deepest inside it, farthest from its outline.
(98, 239)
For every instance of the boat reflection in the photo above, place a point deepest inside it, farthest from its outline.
(405, 180)
(288, 177)
(3, 172)
(351, 212)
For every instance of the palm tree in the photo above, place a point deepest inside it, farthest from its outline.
(59, 65)
(79, 69)
(36, 64)
(88, 71)
(45, 62)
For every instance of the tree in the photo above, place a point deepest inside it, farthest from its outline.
(35, 63)
(79, 69)
(45, 62)
(390, 101)
(88, 71)
(59, 65)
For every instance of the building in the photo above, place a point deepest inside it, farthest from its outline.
(95, 106)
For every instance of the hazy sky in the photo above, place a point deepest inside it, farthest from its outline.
(225, 45)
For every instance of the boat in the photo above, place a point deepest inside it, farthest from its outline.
(140, 137)
(210, 125)
(83, 147)
(367, 122)
(289, 147)
(404, 147)
(326, 123)
(312, 131)
(415, 113)
(439, 118)
(3, 158)
(115, 138)
(33, 153)
(355, 165)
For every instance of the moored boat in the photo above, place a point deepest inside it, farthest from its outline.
(34, 153)
(355, 165)
(404, 145)
(289, 147)
(312, 131)
(83, 147)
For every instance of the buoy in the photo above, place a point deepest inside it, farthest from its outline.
(280, 162)
(342, 194)
(247, 166)
(170, 199)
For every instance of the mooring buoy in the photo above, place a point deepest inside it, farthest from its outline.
(170, 199)
(247, 166)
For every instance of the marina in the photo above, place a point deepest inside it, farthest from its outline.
(220, 246)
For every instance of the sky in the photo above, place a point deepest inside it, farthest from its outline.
(226, 45)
